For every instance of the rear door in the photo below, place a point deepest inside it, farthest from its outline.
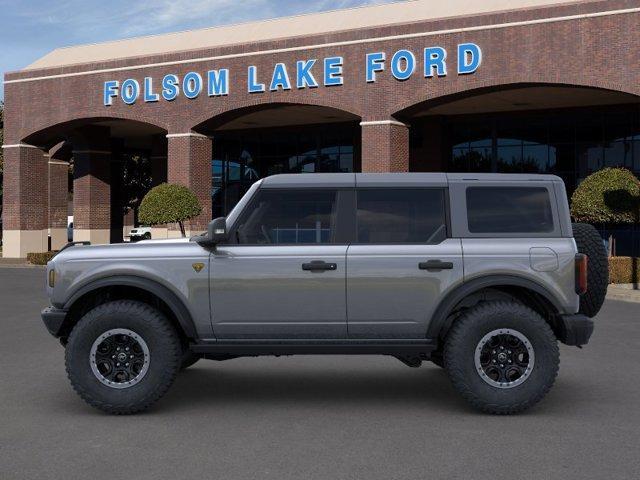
(402, 260)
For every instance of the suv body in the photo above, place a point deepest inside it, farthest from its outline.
(343, 263)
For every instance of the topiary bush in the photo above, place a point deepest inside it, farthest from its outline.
(611, 195)
(40, 258)
(169, 203)
(624, 270)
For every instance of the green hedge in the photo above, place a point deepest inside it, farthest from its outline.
(40, 258)
(621, 269)
(610, 195)
(169, 203)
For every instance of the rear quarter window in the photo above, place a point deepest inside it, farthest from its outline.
(509, 210)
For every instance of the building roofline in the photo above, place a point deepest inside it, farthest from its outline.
(309, 24)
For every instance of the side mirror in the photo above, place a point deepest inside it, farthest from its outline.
(217, 230)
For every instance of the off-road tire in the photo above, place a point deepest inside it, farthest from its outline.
(590, 243)
(164, 356)
(464, 337)
(188, 358)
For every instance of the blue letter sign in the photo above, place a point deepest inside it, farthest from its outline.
(469, 58)
(218, 82)
(403, 65)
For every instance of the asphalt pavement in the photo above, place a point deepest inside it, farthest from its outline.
(333, 417)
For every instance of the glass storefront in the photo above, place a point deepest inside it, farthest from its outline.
(570, 143)
(241, 157)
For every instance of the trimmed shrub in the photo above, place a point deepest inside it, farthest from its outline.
(621, 270)
(611, 195)
(40, 258)
(169, 203)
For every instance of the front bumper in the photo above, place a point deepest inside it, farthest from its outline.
(575, 330)
(53, 319)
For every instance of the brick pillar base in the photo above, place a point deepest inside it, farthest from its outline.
(385, 146)
(189, 164)
(25, 202)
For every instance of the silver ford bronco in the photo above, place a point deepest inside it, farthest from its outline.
(481, 274)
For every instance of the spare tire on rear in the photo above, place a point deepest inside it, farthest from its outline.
(590, 243)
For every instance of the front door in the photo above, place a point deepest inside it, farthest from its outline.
(283, 275)
(401, 263)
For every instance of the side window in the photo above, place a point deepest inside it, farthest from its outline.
(509, 210)
(289, 217)
(402, 215)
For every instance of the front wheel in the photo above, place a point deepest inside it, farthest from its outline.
(502, 357)
(122, 356)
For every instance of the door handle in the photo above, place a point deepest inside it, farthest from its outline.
(435, 265)
(319, 266)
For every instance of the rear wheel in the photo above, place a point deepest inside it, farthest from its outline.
(122, 356)
(590, 243)
(502, 357)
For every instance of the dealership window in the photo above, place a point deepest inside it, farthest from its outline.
(277, 217)
(244, 156)
(570, 143)
(401, 216)
(509, 210)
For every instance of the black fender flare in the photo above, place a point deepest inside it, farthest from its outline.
(438, 322)
(176, 305)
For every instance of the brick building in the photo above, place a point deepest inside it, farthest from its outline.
(498, 85)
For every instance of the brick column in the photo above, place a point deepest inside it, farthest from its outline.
(158, 159)
(25, 202)
(58, 197)
(385, 146)
(189, 164)
(91, 185)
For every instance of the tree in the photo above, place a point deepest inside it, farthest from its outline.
(608, 196)
(169, 203)
(136, 183)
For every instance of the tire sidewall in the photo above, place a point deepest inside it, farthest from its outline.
(137, 317)
(589, 242)
(460, 355)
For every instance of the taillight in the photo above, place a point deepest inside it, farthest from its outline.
(581, 273)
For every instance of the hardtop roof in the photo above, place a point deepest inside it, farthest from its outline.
(410, 179)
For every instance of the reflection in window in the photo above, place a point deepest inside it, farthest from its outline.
(472, 157)
(289, 217)
(520, 156)
(509, 210)
(242, 157)
(572, 143)
(401, 216)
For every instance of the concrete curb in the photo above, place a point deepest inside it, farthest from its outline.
(627, 292)
(20, 265)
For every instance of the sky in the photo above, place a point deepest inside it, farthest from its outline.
(30, 29)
